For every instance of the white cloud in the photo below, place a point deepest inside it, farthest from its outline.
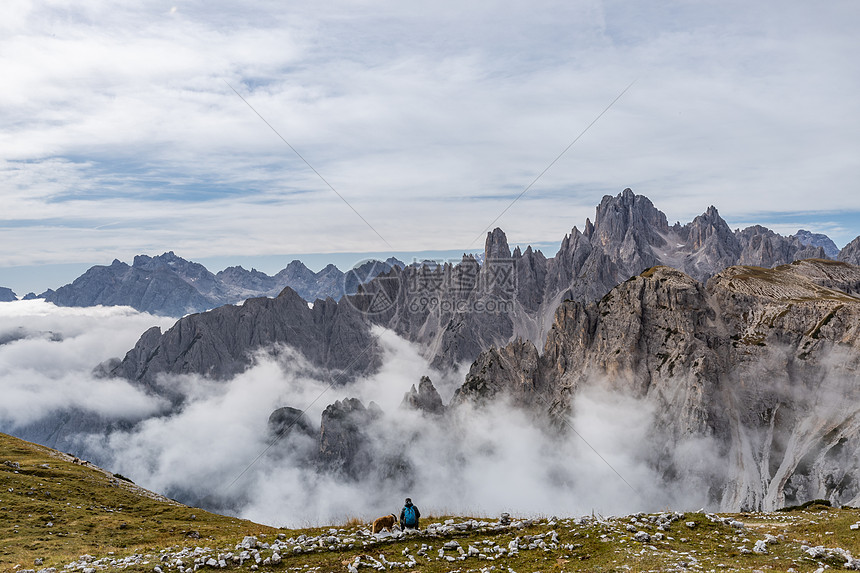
(427, 121)
(216, 451)
(48, 355)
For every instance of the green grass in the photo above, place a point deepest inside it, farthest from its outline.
(93, 512)
(89, 512)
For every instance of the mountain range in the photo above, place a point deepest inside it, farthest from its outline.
(169, 285)
(744, 344)
(756, 368)
(172, 286)
(454, 312)
(761, 363)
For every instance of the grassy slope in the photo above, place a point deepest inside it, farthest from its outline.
(90, 511)
(95, 513)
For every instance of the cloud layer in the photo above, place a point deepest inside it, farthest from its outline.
(121, 135)
(216, 451)
(48, 354)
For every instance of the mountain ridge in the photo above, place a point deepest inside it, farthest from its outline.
(697, 353)
(170, 285)
(693, 340)
(457, 311)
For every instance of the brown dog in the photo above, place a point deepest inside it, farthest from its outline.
(386, 522)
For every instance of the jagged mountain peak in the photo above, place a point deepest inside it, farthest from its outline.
(426, 398)
(811, 239)
(740, 363)
(707, 225)
(496, 245)
(7, 295)
(290, 293)
(164, 258)
(629, 235)
(588, 229)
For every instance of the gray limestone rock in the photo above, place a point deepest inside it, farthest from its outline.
(344, 445)
(455, 312)
(151, 285)
(740, 362)
(762, 247)
(172, 286)
(850, 253)
(222, 342)
(286, 420)
(425, 398)
(330, 282)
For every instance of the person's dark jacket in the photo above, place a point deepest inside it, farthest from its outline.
(403, 514)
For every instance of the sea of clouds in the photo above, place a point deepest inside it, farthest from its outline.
(217, 451)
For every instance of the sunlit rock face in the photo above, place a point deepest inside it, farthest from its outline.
(759, 364)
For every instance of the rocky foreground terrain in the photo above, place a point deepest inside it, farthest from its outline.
(58, 513)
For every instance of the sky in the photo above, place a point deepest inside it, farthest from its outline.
(256, 130)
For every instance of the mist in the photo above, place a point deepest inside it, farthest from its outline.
(216, 450)
(47, 356)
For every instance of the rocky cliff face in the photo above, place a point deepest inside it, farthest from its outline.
(764, 248)
(345, 448)
(221, 343)
(457, 311)
(851, 252)
(285, 421)
(425, 399)
(763, 363)
(628, 235)
(7, 295)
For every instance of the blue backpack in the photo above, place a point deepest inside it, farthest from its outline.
(409, 516)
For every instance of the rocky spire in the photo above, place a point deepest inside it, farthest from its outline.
(496, 246)
(616, 215)
(589, 228)
(710, 224)
(425, 398)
